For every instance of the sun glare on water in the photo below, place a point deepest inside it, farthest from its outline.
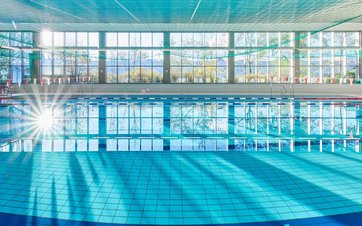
(44, 120)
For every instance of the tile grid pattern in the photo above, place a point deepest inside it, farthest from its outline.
(180, 187)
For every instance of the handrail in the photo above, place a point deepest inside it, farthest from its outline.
(285, 91)
(291, 92)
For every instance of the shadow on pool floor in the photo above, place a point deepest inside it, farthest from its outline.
(180, 188)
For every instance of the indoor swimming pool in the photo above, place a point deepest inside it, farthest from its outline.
(181, 160)
(188, 123)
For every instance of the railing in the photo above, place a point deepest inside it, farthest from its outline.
(284, 91)
(5, 90)
(89, 80)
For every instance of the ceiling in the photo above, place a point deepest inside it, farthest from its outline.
(181, 15)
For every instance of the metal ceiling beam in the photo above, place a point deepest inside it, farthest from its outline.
(181, 27)
(58, 10)
(125, 9)
(195, 10)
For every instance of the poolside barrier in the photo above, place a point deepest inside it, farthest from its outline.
(88, 79)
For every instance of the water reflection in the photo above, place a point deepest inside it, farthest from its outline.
(137, 125)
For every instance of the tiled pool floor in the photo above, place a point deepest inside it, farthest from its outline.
(180, 187)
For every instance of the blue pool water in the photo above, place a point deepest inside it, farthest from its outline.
(181, 160)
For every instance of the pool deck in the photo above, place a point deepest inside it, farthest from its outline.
(274, 90)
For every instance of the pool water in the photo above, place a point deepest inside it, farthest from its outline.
(186, 124)
(181, 161)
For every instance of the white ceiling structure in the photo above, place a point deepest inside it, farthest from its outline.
(181, 15)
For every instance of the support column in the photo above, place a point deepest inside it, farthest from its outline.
(166, 126)
(102, 58)
(359, 124)
(359, 69)
(102, 128)
(34, 58)
(166, 58)
(231, 129)
(296, 57)
(231, 58)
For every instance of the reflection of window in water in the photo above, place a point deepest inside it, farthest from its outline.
(70, 145)
(5, 148)
(28, 145)
(239, 146)
(203, 119)
(16, 146)
(199, 118)
(16, 74)
(198, 144)
(135, 118)
(3, 77)
(262, 145)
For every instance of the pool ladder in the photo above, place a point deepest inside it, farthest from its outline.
(284, 91)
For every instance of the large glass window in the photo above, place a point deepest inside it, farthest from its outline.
(328, 57)
(199, 57)
(263, 57)
(195, 57)
(134, 57)
(14, 60)
(134, 66)
(70, 55)
(325, 57)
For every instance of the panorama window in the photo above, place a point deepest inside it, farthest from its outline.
(199, 57)
(71, 56)
(134, 57)
(15, 56)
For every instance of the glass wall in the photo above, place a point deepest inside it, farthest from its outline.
(72, 55)
(263, 57)
(14, 60)
(328, 57)
(134, 57)
(199, 57)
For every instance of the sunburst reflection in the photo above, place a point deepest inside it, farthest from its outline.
(40, 115)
